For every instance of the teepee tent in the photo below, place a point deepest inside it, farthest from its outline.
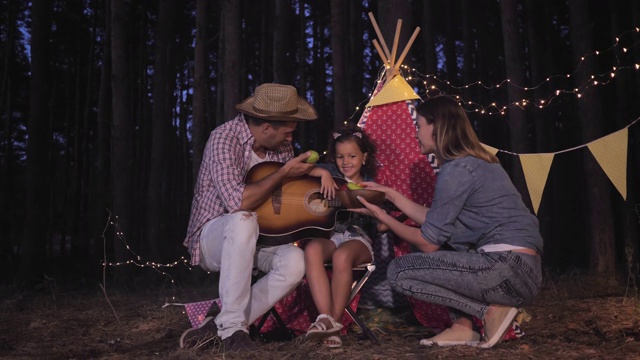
(389, 119)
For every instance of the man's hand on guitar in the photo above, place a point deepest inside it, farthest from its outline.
(298, 165)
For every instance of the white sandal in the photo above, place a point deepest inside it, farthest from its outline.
(332, 341)
(318, 330)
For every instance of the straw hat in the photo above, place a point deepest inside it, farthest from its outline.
(277, 102)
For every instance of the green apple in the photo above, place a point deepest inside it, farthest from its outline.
(313, 157)
(354, 186)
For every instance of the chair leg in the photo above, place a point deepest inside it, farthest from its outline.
(282, 333)
(276, 316)
(263, 320)
(273, 312)
(368, 269)
(365, 329)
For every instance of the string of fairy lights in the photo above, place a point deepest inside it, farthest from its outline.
(493, 108)
(136, 259)
(430, 82)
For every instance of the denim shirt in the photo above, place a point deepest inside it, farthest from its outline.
(476, 204)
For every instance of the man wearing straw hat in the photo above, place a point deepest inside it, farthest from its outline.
(223, 227)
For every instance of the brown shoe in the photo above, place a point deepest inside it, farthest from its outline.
(200, 336)
(239, 341)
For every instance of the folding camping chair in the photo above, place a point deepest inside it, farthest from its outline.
(361, 275)
(366, 270)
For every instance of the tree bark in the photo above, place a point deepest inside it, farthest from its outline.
(230, 69)
(200, 82)
(450, 51)
(281, 36)
(7, 94)
(538, 38)
(469, 50)
(598, 199)
(516, 75)
(121, 131)
(101, 201)
(515, 68)
(355, 68)
(157, 215)
(428, 39)
(37, 203)
(301, 68)
(338, 60)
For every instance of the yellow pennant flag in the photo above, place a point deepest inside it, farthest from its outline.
(536, 170)
(395, 90)
(611, 154)
(490, 149)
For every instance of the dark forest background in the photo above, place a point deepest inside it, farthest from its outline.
(106, 106)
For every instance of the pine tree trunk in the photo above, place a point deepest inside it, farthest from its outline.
(161, 123)
(355, 63)
(515, 68)
(281, 66)
(598, 198)
(428, 39)
(230, 69)
(199, 128)
(37, 220)
(121, 134)
(338, 57)
(302, 52)
(469, 75)
(100, 200)
(7, 94)
(516, 74)
(451, 57)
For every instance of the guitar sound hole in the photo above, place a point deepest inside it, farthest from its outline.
(316, 203)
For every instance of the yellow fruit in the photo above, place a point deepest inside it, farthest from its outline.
(313, 157)
(354, 186)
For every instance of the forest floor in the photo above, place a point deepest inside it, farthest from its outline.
(573, 318)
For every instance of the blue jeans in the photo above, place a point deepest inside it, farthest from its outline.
(467, 281)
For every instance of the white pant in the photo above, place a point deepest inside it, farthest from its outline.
(228, 245)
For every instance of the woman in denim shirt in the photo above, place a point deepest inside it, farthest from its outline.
(478, 213)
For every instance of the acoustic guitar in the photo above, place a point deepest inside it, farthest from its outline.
(297, 209)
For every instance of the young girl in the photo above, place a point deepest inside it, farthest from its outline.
(351, 155)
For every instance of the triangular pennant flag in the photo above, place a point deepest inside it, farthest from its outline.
(611, 154)
(395, 90)
(536, 170)
(197, 311)
(490, 149)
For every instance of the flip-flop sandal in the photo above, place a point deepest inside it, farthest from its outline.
(332, 341)
(319, 330)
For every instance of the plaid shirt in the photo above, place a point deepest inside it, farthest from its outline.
(225, 162)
